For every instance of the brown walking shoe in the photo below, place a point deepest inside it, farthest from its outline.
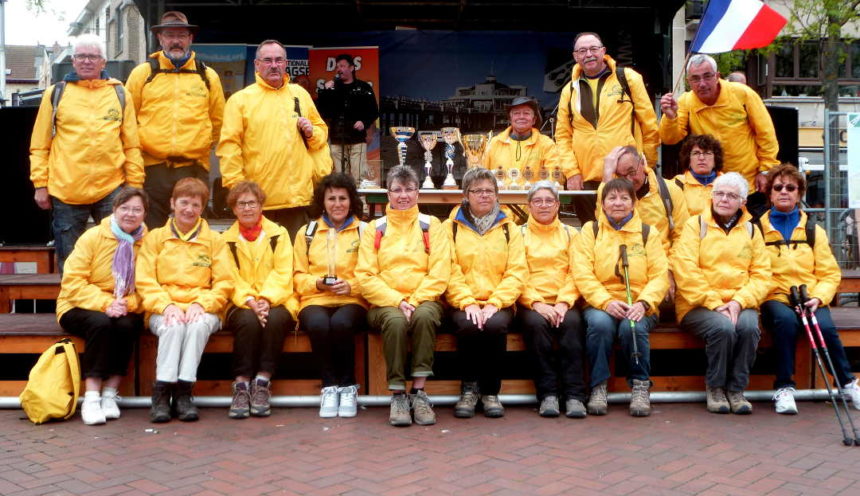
(739, 404)
(422, 409)
(469, 396)
(260, 394)
(717, 401)
(597, 403)
(640, 398)
(240, 407)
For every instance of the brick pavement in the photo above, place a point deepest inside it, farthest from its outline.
(677, 451)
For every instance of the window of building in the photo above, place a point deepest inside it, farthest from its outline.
(120, 29)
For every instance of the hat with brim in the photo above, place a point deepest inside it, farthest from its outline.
(174, 19)
(529, 102)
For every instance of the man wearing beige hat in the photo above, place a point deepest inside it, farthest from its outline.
(180, 106)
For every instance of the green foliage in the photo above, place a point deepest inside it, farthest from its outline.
(735, 60)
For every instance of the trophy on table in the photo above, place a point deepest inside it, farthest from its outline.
(402, 134)
(428, 140)
(500, 177)
(331, 257)
(473, 147)
(451, 135)
(371, 174)
(528, 177)
(514, 178)
(557, 176)
(543, 173)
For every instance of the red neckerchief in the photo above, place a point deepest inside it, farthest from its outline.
(252, 233)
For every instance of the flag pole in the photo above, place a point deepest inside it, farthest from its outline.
(681, 75)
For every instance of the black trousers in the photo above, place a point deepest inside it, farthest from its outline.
(109, 341)
(556, 372)
(586, 205)
(292, 219)
(480, 352)
(332, 331)
(158, 184)
(257, 348)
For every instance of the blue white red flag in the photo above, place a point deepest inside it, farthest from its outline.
(736, 25)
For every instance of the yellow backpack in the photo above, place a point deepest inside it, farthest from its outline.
(54, 384)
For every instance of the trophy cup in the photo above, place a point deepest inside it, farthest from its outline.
(371, 174)
(528, 177)
(451, 135)
(500, 177)
(402, 134)
(331, 257)
(557, 176)
(428, 140)
(473, 147)
(514, 178)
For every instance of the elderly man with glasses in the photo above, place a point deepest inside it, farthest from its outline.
(731, 112)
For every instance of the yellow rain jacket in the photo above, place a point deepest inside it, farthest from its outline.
(738, 119)
(489, 269)
(698, 196)
(653, 210)
(598, 272)
(96, 148)
(258, 271)
(538, 153)
(798, 264)
(550, 258)
(711, 271)
(261, 142)
(88, 281)
(172, 271)
(311, 264)
(401, 269)
(582, 145)
(178, 118)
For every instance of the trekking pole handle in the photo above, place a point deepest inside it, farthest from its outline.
(624, 262)
(804, 295)
(795, 297)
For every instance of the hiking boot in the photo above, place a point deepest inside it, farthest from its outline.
(240, 407)
(160, 410)
(109, 404)
(260, 394)
(739, 404)
(597, 404)
(573, 408)
(640, 398)
(91, 411)
(422, 409)
(784, 401)
(328, 402)
(400, 415)
(347, 401)
(492, 406)
(549, 406)
(716, 399)
(852, 393)
(183, 402)
(469, 396)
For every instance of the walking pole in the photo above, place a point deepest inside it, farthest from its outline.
(804, 297)
(798, 306)
(625, 265)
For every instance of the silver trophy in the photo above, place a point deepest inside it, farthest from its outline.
(428, 140)
(451, 135)
(331, 257)
(402, 134)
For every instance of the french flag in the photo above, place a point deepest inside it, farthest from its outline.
(736, 25)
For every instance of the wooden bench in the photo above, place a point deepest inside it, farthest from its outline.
(27, 287)
(41, 255)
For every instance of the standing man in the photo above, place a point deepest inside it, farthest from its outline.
(274, 136)
(604, 106)
(84, 146)
(731, 112)
(349, 108)
(179, 104)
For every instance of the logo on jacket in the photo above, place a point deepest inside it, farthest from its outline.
(113, 115)
(197, 91)
(202, 261)
(615, 90)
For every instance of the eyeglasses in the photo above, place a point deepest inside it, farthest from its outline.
(247, 204)
(704, 77)
(87, 56)
(543, 202)
(583, 51)
(698, 154)
(719, 195)
(482, 192)
(400, 191)
(130, 210)
(271, 61)
(176, 36)
(791, 188)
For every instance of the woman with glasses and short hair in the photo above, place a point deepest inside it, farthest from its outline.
(488, 273)
(702, 155)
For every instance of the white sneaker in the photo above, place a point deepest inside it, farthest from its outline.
(348, 401)
(852, 392)
(91, 411)
(109, 405)
(784, 399)
(328, 402)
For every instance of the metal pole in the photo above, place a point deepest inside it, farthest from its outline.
(827, 173)
(2, 53)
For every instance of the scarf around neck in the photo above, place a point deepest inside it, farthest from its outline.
(704, 179)
(122, 266)
(191, 234)
(484, 223)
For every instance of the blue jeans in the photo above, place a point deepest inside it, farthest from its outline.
(602, 329)
(785, 325)
(70, 221)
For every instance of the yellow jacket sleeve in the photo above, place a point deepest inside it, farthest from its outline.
(674, 130)
(765, 135)
(439, 270)
(155, 297)
(230, 147)
(680, 213)
(216, 104)
(40, 142)
(279, 284)
(367, 270)
(827, 272)
(242, 290)
(319, 138)
(658, 279)
(645, 116)
(305, 283)
(569, 292)
(516, 273)
(458, 293)
(564, 135)
(213, 299)
(690, 279)
(133, 166)
(76, 276)
(587, 283)
(760, 282)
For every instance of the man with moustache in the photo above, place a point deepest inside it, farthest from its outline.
(349, 108)
(271, 131)
(603, 107)
(180, 104)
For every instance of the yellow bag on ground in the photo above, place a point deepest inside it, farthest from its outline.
(54, 384)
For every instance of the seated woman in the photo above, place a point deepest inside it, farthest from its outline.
(332, 311)
(184, 278)
(546, 309)
(98, 302)
(799, 254)
(403, 268)
(600, 279)
(723, 274)
(262, 268)
(702, 154)
(488, 273)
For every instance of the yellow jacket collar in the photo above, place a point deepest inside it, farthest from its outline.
(401, 216)
(505, 136)
(262, 82)
(534, 225)
(708, 216)
(633, 225)
(166, 63)
(576, 73)
(269, 229)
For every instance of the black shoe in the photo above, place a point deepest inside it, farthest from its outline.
(183, 403)
(160, 410)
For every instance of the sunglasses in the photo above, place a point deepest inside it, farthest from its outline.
(791, 188)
